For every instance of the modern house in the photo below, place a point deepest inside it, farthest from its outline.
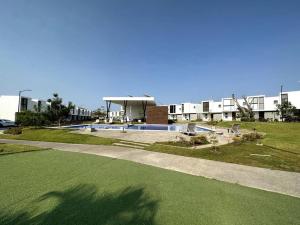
(184, 111)
(264, 108)
(80, 113)
(11, 104)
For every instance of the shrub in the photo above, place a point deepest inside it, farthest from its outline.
(29, 118)
(171, 121)
(213, 123)
(183, 141)
(237, 140)
(252, 136)
(13, 131)
(199, 140)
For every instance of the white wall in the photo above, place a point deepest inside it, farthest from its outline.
(8, 107)
(190, 108)
(269, 103)
(177, 109)
(216, 107)
(294, 98)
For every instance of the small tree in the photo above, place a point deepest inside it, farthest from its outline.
(28, 118)
(246, 113)
(57, 111)
(213, 139)
(99, 113)
(286, 110)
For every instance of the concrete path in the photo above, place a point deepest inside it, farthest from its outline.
(271, 180)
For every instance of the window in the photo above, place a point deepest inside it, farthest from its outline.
(194, 107)
(275, 102)
(182, 107)
(226, 115)
(205, 106)
(172, 108)
(284, 98)
(24, 103)
(257, 103)
(261, 102)
(219, 105)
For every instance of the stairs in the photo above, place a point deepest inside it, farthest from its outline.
(131, 144)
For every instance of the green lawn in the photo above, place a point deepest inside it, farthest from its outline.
(285, 136)
(54, 187)
(280, 150)
(282, 143)
(12, 148)
(264, 156)
(59, 135)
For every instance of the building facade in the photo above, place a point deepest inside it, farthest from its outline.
(11, 104)
(80, 113)
(264, 108)
(185, 111)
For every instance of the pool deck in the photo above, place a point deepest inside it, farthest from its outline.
(149, 137)
(136, 136)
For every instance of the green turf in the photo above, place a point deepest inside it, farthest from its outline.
(12, 148)
(285, 136)
(59, 135)
(264, 156)
(281, 143)
(53, 187)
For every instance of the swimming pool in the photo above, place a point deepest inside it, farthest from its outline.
(141, 127)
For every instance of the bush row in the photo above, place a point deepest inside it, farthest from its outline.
(253, 136)
(13, 131)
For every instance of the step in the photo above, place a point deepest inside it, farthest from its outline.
(128, 146)
(135, 143)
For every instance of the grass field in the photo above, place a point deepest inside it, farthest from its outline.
(245, 154)
(54, 187)
(12, 148)
(281, 149)
(59, 135)
(285, 136)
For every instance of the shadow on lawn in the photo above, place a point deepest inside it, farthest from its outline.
(82, 205)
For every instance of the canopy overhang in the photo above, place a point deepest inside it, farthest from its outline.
(130, 100)
(142, 102)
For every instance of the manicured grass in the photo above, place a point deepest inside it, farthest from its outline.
(12, 148)
(176, 143)
(239, 154)
(54, 187)
(59, 135)
(285, 136)
(280, 150)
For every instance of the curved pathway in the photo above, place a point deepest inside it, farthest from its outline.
(271, 180)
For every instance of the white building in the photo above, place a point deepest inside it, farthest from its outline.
(80, 113)
(264, 108)
(9, 106)
(185, 111)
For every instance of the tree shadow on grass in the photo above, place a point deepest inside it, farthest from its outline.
(82, 205)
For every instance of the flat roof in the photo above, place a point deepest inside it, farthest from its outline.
(131, 100)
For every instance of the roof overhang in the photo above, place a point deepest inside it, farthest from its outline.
(131, 100)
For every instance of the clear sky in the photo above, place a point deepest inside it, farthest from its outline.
(175, 50)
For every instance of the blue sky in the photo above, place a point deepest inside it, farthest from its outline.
(177, 51)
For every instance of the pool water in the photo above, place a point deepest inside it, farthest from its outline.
(142, 127)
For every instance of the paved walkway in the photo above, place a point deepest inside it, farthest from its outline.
(265, 179)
